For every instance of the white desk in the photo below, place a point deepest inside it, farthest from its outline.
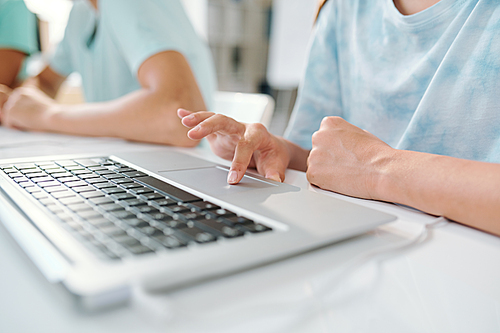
(449, 283)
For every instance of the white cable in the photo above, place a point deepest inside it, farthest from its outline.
(363, 258)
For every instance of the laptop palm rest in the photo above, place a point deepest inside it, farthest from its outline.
(316, 213)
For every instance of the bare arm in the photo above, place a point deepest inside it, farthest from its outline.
(461, 190)
(47, 81)
(10, 65)
(351, 161)
(147, 115)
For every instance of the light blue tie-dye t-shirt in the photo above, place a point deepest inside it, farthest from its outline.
(426, 82)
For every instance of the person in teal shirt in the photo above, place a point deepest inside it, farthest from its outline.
(18, 39)
(399, 103)
(139, 61)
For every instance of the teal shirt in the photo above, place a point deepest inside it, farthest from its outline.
(426, 82)
(17, 28)
(126, 33)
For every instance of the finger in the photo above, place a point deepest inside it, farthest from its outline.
(181, 113)
(244, 152)
(191, 119)
(215, 123)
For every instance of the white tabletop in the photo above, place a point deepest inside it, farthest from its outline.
(450, 282)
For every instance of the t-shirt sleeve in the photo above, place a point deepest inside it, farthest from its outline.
(147, 27)
(319, 92)
(18, 27)
(60, 60)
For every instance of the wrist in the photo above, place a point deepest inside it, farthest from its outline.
(384, 185)
(50, 117)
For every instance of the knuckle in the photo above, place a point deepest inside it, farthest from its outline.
(257, 127)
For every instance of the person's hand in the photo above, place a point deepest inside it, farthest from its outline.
(347, 159)
(4, 96)
(246, 145)
(26, 108)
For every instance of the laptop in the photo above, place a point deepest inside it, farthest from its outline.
(102, 225)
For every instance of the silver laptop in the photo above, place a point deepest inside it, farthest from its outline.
(101, 225)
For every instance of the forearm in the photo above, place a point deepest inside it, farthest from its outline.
(47, 81)
(143, 116)
(461, 190)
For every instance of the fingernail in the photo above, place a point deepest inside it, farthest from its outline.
(190, 117)
(197, 128)
(232, 176)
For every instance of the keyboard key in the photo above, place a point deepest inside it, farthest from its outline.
(152, 196)
(94, 194)
(25, 166)
(223, 229)
(202, 205)
(133, 202)
(139, 249)
(140, 190)
(36, 174)
(71, 200)
(253, 228)
(88, 176)
(63, 194)
(146, 209)
(39, 195)
(79, 207)
(132, 185)
(112, 230)
(123, 214)
(111, 190)
(97, 181)
(47, 201)
(68, 179)
(170, 242)
(126, 240)
(123, 196)
(173, 192)
(76, 183)
(105, 184)
(52, 189)
(165, 202)
(110, 207)
(198, 235)
(99, 221)
(16, 175)
(135, 222)
(48, 183)
(100, 200)
(122, 181)
(87, 214)
(134, 174)
(86, 188)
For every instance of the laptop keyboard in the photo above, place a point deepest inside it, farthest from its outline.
(117, 211)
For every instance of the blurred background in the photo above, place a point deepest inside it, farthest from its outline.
(258, 46)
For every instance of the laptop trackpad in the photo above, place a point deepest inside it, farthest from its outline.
(213, 181)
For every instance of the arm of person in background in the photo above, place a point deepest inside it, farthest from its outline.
(351, 161)
(146, 115)
(10, 64)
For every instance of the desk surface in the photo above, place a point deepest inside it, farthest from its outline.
(448, 283)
